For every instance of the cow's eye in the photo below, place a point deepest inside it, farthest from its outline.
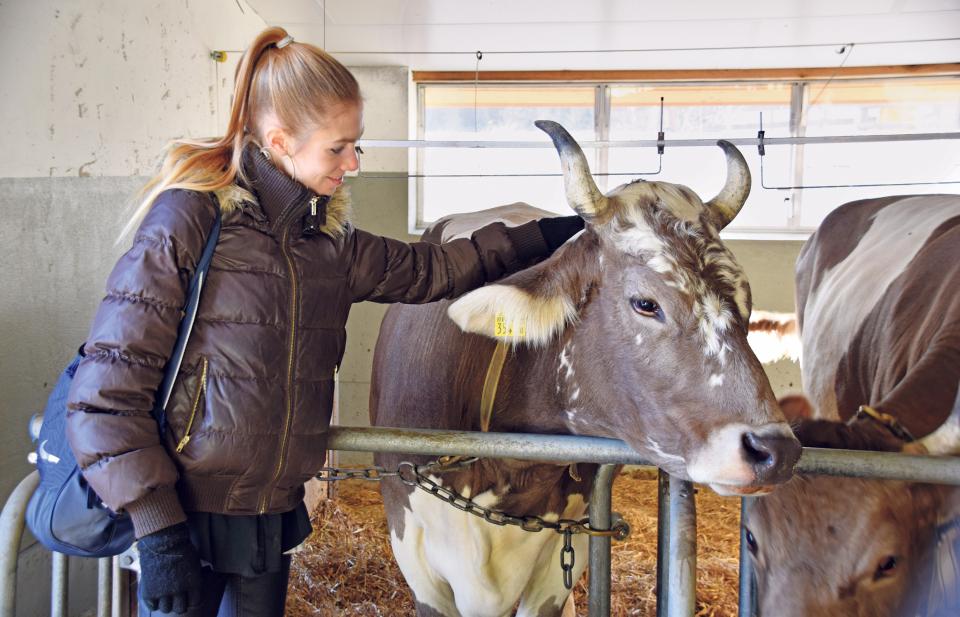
(886, 567)
(751, 542)
(645, 306)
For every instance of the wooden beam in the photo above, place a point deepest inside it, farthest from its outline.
(903, 70)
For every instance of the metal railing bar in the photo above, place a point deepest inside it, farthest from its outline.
(669, 143)
(104, 586)
(120, 601)
(432, 442)
(12, 521)
(678, 515)
(823, 461)
(663, 539)
(880, 465)
(59, 589)
(600, 518)
(681, 564)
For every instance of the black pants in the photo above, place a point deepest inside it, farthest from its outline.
(232, 595)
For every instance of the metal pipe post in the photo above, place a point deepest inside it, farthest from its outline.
(663, 539)
(11, 530)
(747, 602)
(104, 586)
(682, 560)
(121, 589)
(59, 590)
(600, 518)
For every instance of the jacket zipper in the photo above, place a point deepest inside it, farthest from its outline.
(294, 294)
(201, 390)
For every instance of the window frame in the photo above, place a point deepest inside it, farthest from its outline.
(799, 84)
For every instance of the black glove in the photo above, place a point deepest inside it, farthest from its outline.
(169, 570)
(558, 230)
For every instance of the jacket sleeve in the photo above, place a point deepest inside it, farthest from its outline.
(109, 425)
(381, 269)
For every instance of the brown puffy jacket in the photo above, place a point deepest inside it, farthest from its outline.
(250, 409)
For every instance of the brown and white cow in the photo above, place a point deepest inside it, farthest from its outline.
(635, 329)
(878, 297)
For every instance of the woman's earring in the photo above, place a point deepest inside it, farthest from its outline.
(294, 165)
(265, 152)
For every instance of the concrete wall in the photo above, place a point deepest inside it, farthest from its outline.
(92, 91)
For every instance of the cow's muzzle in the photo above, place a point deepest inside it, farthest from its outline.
(772, 456)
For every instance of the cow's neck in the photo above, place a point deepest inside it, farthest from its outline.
(529, 396)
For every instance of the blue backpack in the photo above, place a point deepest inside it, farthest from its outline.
(65, 514)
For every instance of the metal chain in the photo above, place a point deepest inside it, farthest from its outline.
(567, 559)
(413, 475)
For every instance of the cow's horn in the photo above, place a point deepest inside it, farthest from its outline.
(582, 192)
(725, 206)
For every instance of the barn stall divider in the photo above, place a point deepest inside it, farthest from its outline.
(676, 553)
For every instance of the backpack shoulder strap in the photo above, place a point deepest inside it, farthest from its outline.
(186, 323)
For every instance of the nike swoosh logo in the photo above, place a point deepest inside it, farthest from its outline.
(50, 458)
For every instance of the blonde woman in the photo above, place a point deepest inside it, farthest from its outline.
(216, 500)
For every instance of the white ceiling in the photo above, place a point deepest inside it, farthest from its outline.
(789, 33)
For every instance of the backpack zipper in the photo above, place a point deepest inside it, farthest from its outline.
(201, 389)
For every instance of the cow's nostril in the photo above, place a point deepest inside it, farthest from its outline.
(772, 457)
(757, 453)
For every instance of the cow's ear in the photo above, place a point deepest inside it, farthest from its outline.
(796, 407)
(532, 306)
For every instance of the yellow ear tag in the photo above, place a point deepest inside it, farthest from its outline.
(502, 329)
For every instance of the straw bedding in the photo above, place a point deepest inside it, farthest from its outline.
(347, 568)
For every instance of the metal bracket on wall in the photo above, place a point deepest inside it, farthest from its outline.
(762, 150)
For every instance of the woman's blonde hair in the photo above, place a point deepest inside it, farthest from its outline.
(298, 83)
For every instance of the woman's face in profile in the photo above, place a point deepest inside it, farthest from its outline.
(325, 154)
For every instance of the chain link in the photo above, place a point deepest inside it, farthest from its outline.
(567, 559)
(414, 475)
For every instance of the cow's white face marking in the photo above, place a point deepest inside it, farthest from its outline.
(714, 320)
(720, 462)
(722, 354)
(457, 563)
(640, 239)
(682, 247)
(716, 380)
(566, 361)
(678, 201)
(655, 447)
(880, 256)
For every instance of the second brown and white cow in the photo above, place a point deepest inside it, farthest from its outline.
(878, 297)
(635, 329)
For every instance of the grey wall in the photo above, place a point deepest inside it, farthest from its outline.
(56, 243)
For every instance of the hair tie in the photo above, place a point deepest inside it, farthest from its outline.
(284, 41)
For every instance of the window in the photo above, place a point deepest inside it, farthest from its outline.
(495, 113)
(461, 179)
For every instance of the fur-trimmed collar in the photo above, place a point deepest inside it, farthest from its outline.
(274, 197)
(339, 212)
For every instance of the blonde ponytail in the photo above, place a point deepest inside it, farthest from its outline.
(297, 82)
